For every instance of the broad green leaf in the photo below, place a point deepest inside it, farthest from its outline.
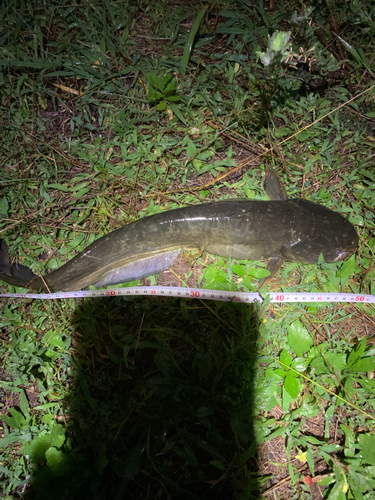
(9, 421)
(309, 166)
(267, 392)
(17, 420)
(173, 98)
(299, 338)
(211, 271)
(57, 437)
(36, 449)
(300, 364)
(347, 268)
(166, 82)
(79, 194)
(353, 357)
(330, 448)
(361, 347)
(286, 400)
(76, 242)
(191, 148)
(155, 80)
(360, 482)
(367, 442)
(364, 365)
(285, 357)
(326, 480)
(303, 136)
(51, 339)
(170, 88)
(282, 132)
(336, 360)
(151, 94)
(219, 282)
(238, 269)
(56, 461)
(280, 373)
(267, 58)
(248, 282)
(279, 41)
(162, 106)
(292, 385)
(258, 272)
(48, 418)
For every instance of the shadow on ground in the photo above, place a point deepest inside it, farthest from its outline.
(160, 403)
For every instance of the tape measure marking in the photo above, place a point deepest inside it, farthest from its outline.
(199, 293)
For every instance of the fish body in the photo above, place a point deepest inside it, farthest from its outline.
(292, 230)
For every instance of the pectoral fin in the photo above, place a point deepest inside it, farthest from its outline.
(273, 266)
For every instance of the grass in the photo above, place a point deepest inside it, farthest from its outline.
(111, 111)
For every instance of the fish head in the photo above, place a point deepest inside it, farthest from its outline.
(331, 236)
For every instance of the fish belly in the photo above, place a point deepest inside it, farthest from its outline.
(139, 269)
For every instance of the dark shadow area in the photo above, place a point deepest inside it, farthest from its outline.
(160, 404)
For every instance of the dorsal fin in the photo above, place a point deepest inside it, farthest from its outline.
(275, 189)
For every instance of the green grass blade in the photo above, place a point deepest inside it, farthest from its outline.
(190, 40)
(177, 112)
(360, 58)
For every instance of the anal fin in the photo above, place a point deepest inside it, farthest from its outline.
(139, 269)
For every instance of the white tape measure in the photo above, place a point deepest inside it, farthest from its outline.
(199, 293)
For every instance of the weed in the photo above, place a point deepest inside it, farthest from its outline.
(162, 91)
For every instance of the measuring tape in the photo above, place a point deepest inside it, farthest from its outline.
(199, 293)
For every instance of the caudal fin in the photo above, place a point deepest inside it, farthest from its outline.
(4, 259)
(15, 274)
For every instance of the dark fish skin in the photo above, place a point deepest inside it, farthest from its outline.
(291, 230)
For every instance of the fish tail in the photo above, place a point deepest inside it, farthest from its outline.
(15, 274)
(4, 259)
